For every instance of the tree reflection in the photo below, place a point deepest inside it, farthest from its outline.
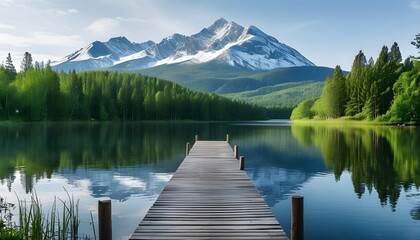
(37, 150)
(386, 159)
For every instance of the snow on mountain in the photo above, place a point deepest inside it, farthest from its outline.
(98, 55)
(224, 42)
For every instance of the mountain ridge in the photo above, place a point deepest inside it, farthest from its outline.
(224, 42)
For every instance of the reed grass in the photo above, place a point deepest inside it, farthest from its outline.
(34, 223)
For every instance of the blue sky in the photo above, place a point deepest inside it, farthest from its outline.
(327, 32)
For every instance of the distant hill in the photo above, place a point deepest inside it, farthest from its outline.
(222, 79)
(278, 87)
(284, 95)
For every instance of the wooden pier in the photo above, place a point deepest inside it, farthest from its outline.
(209, 198)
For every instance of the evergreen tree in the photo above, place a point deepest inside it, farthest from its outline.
(395, 54)
(416, 42)
(385, 73)
(10, 68)
(26, 62)
(355, 85)
(341, 96)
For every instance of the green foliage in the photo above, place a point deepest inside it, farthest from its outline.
(406, 105)
(303, 110)
(368, 91)
(38, 92)
(334, 96)
(42, 94)
(355, 80)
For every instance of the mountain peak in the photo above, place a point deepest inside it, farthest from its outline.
(218, 24)
(224, 42)
(118, 39)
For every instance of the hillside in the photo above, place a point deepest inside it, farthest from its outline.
(285, 95)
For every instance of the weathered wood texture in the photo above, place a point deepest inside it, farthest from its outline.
(209, 198)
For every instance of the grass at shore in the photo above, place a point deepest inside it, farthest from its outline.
(340, 122)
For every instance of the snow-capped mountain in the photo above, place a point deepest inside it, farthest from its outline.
(223, 42)
(100, 54)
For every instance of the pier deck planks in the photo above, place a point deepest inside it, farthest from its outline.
(209, 198)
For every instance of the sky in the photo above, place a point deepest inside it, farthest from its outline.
(327, 32)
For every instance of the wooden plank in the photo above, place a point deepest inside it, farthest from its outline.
(209, 198)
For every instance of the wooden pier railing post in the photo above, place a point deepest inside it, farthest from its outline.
(104, 219)
(187, 149)
(297, 218)
(227, 137)
(235, 151)
(196, 138)
(241, 163)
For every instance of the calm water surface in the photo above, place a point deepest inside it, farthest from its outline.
(358, 182)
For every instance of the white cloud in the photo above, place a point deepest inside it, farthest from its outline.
(6, 26)
(138, 20)
(103, 25)
(64, 12)
(9, 39)
(45, 38)
(40, 38)
(72, 10)
(415, 4)
(6, 2)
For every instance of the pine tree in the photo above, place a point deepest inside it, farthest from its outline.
(26, 62)
(334, 97)
(341, 95)
(355, 85)
(395, 54)
(416, 42)
(10, 68)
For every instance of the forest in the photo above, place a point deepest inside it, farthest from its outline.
(386, 90)
(38, 93)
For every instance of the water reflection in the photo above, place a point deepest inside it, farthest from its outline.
(384, 159)
(275, 161)
(98, 149)
(131, 162)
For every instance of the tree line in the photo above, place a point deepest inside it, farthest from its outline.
(38, 93)
(387, 89)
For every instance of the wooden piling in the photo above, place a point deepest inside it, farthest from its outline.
(104, 219)
(297, 218)
(227, 137)
(241, 163)
(187, 149)
(196, 138)
(235, 151)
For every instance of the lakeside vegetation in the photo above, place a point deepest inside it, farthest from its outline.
(386, 91)
(38, 93)
(34, 222)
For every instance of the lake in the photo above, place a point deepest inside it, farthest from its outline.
(358, 182)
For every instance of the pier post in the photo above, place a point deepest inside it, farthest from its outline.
(227, 137)
(297, 218)
(187, 149)
(196, 138)
(241, 163)
(104, 219)
(235, 151)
